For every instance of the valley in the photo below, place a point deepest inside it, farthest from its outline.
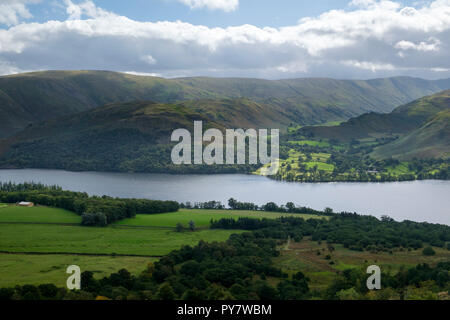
(111, 133)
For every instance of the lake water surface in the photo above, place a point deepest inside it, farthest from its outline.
(417, 200)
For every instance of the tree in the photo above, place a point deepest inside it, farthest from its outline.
(179, 227)
(428, 251)
(270, 206)
(6, 293)
(48, 290)
(232, 203)
(94, 219)
(166, 292)
(266, 292)
(88, 283)
(30, 292)
(290, 206)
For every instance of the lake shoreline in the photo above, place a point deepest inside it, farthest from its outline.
(418, 200)
(227, 174)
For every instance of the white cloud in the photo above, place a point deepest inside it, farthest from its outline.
(431, 45)
(363, 3)
(366, 65)
(143, 74)
(7, 67)
(149, 59)
(373, 38)
(440, 69)
(11, 11)
(86, 8)
(225, 5)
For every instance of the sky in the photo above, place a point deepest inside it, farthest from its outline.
(272, 39)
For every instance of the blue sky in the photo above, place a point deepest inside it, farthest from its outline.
(260, 13)
(246, 38)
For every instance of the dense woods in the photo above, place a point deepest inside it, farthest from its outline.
(354, 231)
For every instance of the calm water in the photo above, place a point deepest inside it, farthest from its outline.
(417, 200)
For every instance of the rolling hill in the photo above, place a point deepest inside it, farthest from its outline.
(402, 120)
(131, 137)
(432, 140)
(33, 97)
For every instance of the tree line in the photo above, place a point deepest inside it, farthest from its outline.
(353, 231)
(94, 210)
(233, 204)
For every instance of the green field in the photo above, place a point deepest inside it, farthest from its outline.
(201, 218)
(13, 213)
(310, 143)
(24, 269)
(402, 168)
(27, 231)
(320, 165)
(109, 240)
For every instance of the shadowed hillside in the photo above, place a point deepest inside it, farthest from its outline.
(131, 137)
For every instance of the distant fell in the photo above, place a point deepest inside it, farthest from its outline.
(402, 120)
(38, 96)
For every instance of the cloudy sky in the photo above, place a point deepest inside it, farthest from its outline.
(271, 39)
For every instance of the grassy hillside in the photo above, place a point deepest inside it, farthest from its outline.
(38, 96)
(243, 113)
(402, 120)
(118, 137)
(132, 136)
(432, 140)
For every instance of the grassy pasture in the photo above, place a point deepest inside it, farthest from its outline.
(24, 269)
(320, 165)
(109, 240)
(310, 143)
(14, 213)
(402, 168)
(201, 218)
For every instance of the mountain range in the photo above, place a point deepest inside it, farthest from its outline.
(106, 121)
(39, 96)
(421, 128)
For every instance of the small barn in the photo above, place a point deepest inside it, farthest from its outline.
(26, 204)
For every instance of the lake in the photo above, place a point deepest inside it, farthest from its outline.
(416, 200)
